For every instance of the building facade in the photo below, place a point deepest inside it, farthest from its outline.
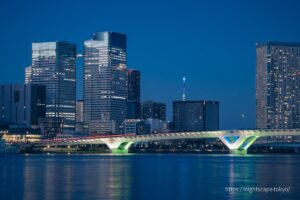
(79, 116)
(277, 85)
(136, 127)
(104, 85)
(22, 104)
(154, 110)
(133, 83)
(79, 111)
(195, 116)
(54, 65)
(51, 126)
(28, 74)
(157, 126)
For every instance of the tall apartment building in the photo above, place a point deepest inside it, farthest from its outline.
(277, 85)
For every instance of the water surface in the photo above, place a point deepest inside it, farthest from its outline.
(149, 176)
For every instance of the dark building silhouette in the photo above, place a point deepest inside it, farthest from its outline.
(22, 104)
(133, 82)
(154, 110)
(195, 116)
(51, 126)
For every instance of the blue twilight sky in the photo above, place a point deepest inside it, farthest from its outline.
(210, 42)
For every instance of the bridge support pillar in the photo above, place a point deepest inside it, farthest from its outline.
(238, 144)
(119, 147)
(238, 152)
(119, 151)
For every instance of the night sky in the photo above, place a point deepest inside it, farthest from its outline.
(212, 43)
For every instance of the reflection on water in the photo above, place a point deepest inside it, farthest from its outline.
(146, 176)
(71, 177)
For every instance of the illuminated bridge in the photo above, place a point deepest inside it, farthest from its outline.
(237, 141)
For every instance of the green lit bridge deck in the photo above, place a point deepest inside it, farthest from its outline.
(237, 141)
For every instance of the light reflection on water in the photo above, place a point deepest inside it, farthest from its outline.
(146, 176)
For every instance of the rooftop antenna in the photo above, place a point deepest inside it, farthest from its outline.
(183, 90)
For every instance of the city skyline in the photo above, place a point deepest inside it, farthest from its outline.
(229, 79)
(149, 99)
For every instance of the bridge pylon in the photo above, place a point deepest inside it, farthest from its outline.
(117, 146)
(239, 143)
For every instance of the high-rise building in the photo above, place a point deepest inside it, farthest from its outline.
(195, 115)
(154, 110)
(28, 74)
(277, 85)
(104, 87)
(22, 104)
(133, 81)
(54, 65)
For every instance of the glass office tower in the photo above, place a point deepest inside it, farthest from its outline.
(278, 85)
(54, 65)
(104, 83)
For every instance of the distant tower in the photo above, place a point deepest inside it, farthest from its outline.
(183, 90)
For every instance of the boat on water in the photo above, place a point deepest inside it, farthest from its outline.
(9, 148)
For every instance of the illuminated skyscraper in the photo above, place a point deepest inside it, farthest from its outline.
(28, 74)
(54, 65)
(104, 87)
(278, 85)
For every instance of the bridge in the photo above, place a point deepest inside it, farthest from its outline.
(237, 141)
